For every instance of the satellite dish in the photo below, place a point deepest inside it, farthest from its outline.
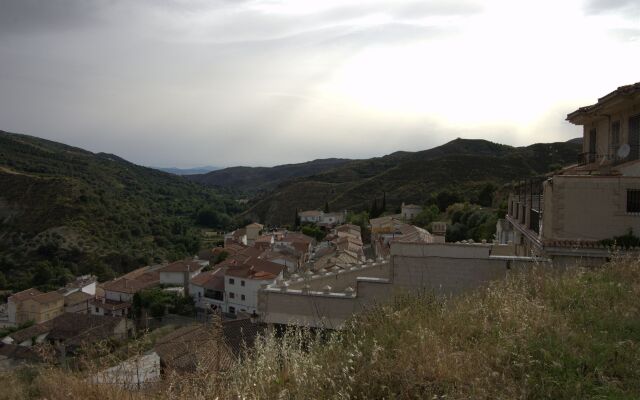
(623, 151)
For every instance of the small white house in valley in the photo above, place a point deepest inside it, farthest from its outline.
(333, 218)
(84, 283)
(180, 273)
(410, 211)
(313, 216)
(242, 283)
(207, 290)
(329, 219)
(118, 293)
(253, 232)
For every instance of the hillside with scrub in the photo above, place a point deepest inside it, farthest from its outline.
(463, 166)
(65, 211)
(539, 334)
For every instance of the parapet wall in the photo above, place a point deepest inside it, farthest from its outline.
(339, 279)
(445, 269)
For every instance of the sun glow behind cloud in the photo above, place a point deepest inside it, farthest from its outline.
(505, 66)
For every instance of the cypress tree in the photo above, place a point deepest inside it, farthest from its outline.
(374, 209)
(384, 203)
(296, 221)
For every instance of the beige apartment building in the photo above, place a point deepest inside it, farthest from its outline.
(33, 305)
(567, 215)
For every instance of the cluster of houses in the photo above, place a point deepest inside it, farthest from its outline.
(253, 259)
(261, 278)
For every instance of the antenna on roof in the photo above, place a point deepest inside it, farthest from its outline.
(623, 151)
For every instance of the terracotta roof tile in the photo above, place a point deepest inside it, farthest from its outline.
(256, 268)
(182, 266)
(48, 297)
(213, 280)
(110, 305)
(620, 91)
(25, 294)
(77, 298)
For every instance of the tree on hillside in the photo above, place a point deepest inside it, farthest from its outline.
(374, 212)
(383, 207)
(373, 209)
(470, 221)
(314, 232)
(296, 221)
(3, 281)
(485, 197)
(446, 198)
(211, 218)
(427, 216)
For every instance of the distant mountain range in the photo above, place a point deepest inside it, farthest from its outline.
(259, 179)
(461, 165)
(188, 171)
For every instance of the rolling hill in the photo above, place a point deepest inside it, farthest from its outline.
(461, 165)
(187, 171)
(260, 179)
(64, 210)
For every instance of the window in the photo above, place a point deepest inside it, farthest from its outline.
(615, 136)
(231, 281)
(633, 201)
(241, 283)
(232, 310)
(97, 310)
(241, 297)
(232, 295)
(214, 294)
(593, 134)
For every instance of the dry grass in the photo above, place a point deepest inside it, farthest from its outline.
(539, 335)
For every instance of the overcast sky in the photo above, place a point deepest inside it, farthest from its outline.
(248, 82)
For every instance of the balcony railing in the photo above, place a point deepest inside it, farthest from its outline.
(588, 158)
(534, 220)
(613, 158)
(526, 204)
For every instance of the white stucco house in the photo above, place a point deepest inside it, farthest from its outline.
(409, 211)
(180, 273)
(207, 290)
(242, 283)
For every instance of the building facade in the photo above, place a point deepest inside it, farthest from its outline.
(33, 305)
(574, 213)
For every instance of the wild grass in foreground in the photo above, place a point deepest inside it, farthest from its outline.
(536, 335)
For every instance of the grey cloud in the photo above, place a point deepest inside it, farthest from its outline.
(42, 16)
(179, 82)
(625, 7)
(36, 16)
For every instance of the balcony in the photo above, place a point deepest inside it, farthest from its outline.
(608, 159)
(526, 205)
